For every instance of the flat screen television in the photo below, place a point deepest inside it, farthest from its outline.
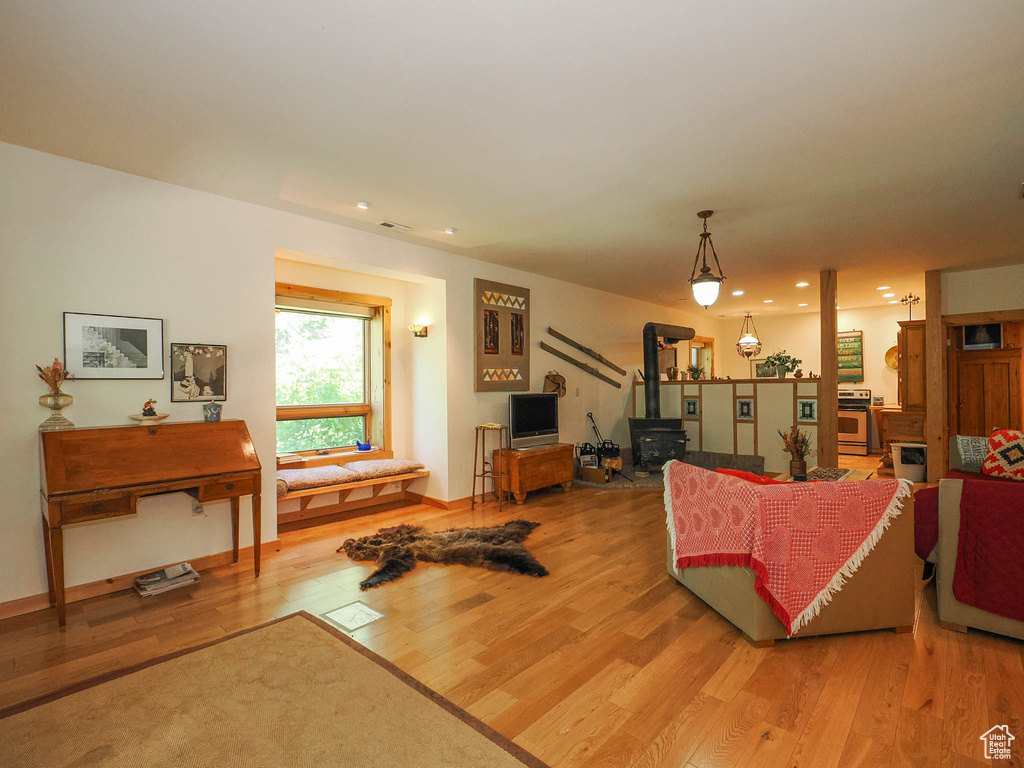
(533, 419)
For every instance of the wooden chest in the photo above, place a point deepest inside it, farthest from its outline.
(532, 468)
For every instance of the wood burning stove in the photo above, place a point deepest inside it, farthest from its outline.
(655, 440)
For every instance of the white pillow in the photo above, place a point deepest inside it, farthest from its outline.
(972, 450)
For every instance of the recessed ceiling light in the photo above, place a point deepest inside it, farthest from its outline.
(894, 301)
(801, 305)
(737, 293)
(802, 285)
(450, 230)
(883, 288)
(888, 295)
(768, 301)
(363, 205)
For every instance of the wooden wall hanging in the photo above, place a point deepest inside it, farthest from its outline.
(501, 319)
(579, 364)
(586, 350)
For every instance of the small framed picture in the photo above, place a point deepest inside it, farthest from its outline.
(199, 372)
(758, 370)
(878, 399)
(113, 346)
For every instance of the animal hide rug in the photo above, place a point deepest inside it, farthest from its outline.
(396, 550)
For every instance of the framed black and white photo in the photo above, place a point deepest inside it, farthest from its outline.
(113, 346)
(199, 372)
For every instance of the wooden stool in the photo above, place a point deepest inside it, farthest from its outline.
(498, 474)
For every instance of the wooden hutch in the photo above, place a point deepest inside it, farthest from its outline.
(905, 423)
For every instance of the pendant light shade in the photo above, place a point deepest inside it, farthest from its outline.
(705, 290)
(706, 284)
(749, 344)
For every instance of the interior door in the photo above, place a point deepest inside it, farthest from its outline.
(990, 391)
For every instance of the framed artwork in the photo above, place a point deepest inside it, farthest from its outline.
(491, 332)
(691, 407)
(501, 319)
(758, 370)
(850, 345)
(806, 410)
(199, 372)
(113, 346)
(744, 409)
(517, 333)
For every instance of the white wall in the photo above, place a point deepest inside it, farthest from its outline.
(77, 237)
(983, 290)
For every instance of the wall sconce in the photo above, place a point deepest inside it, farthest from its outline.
(419, 331)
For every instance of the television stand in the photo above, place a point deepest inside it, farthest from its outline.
(528, 469)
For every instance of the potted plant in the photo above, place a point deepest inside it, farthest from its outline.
(797, 444)
(782, 362)
(695, 371)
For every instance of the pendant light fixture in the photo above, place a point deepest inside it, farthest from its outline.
(706, 284)
(749, 345)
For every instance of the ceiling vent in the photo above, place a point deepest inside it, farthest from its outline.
(394, 226)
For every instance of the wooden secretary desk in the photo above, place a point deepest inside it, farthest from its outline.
(101, 473)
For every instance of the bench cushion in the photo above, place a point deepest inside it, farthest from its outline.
(332, 474)
(368, 470)
(312, 477)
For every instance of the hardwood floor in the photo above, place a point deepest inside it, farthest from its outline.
(851, 461)
(606, 662)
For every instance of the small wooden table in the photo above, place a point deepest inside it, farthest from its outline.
(101, 473)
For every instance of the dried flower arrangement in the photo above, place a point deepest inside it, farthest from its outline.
(796, 443)
(54, 374)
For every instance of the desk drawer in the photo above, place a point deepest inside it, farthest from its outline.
(214, 491)
(77, 511)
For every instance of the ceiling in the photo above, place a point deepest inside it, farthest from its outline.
(571, 139)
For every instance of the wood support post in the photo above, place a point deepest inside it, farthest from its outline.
(828, 387)
(936, 429)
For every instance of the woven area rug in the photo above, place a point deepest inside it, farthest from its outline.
(295, 692)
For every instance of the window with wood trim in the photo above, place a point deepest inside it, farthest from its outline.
(331, 364)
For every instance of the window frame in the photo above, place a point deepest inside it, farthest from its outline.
(376, 406)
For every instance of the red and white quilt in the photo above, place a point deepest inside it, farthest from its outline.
(802, 540)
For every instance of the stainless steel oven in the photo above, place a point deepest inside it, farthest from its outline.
(854, 432)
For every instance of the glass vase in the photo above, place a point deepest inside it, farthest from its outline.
(56, 401)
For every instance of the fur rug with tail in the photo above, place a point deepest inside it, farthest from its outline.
(396, 550)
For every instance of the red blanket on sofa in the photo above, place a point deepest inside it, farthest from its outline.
(989, 570)
(926, 510)
(802, 540)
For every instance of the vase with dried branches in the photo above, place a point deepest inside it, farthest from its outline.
(797, 444)
(55, 375)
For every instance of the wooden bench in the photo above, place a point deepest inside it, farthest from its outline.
(344, 490)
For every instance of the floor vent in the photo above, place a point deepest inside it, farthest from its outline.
(353, 616)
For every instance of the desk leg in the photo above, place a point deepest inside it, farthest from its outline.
(235, 504)
(49, 561)
(56, 536)
(257, 525)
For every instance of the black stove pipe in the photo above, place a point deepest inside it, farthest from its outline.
(652, 376)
